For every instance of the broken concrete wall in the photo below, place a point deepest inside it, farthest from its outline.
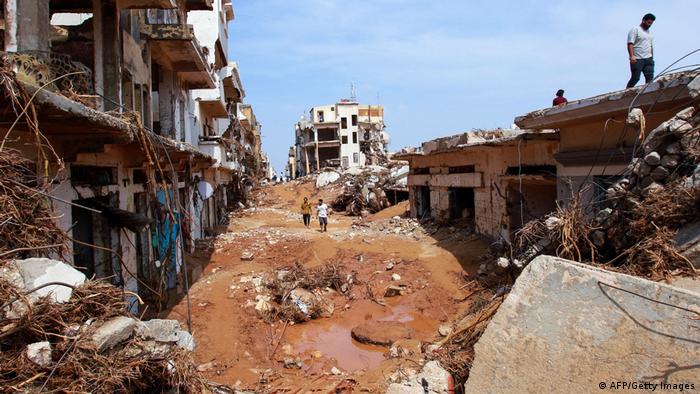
(568, 327)
(488, 179)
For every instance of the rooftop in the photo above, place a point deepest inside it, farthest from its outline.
(668, 91)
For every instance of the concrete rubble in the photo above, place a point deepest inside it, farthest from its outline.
(431, 379)
(566, 327)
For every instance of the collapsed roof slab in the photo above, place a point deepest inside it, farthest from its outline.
(667, 92)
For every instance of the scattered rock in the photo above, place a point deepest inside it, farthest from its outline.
(246, 256)
(389, 266)
(382, 333)
(262, 303)
(394, 291)
(653, 159)
(39, 353)
(206, 366)
(670, 161)
(409, 348)
(185, 340)
(660, 173)
(395, 277)
(293, 363)
(160, 330)
(502, 262)
(679, 127)
(336, 371)
(113, 332)
(38, 271)
(445, 330)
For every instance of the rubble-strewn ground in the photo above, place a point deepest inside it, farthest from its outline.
(402, 272)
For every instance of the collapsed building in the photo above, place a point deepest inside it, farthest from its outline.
(133, 114)
(498, 179)
(339, 136)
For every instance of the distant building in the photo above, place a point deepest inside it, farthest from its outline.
(341, 135)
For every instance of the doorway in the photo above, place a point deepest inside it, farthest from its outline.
(461, 202)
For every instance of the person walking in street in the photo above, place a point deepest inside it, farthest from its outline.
(322, 210)
(306, 212)
(560, 99)
(640, 48)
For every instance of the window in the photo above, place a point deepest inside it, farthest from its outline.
(332, 109)
(345, 139)
(320, 116)
(354, 137)
(343, 123)
(345, 161)
(354, 120)
(355, 157)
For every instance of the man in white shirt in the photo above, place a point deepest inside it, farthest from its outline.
(640, 47)
(322, 210)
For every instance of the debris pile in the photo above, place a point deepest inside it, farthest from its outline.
(647, 224)
(300, 294)
(365, 189)
(78, 336)
(26, 222)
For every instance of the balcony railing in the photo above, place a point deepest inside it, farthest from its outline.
(55, 70)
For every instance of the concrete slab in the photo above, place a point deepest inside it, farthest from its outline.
(570, 328)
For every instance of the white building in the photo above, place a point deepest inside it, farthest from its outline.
(342, 135)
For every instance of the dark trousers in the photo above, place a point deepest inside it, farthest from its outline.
(645, 66)
(307, 219)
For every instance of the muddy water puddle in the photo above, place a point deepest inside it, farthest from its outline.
(333, 339)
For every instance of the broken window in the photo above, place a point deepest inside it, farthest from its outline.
(320, 116)
(354, 120)
(92, 175)
(345, 139)
(355, 157)
(345, 161)
(343, 123)
(461, 169)
(420, 171)
(532, 170)
(354, 136)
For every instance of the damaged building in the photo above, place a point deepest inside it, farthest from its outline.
(137, 126)
(339, 136)
(596, 139)
(498, 179)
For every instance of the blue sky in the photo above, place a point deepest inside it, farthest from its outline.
(439, 67)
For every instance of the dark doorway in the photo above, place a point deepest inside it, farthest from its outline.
(461, 200)
(146, 271)
(422, 201)
(93, 228)
(536, 200)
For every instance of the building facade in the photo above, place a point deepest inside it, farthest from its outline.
(137, 105)
(342, 135)
(496, 179)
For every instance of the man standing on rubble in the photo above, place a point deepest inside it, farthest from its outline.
(306, 212)
(640, 47)
(322, 210)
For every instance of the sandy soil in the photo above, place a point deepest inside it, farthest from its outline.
(236, 347)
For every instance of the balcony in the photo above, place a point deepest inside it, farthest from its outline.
(233, 88)
(175, 46)
(39, 68)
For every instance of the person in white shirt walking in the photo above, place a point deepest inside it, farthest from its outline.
(322, 210)
(640, 47)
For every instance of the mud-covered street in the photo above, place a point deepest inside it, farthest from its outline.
(236, 346)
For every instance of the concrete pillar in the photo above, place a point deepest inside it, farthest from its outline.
(98, 72)
(166, 104)
(111, 53)
(33, 25)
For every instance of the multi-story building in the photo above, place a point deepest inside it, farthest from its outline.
(341, 135)
(138, 104)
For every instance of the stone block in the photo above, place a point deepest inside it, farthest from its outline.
(565, 327)
(113, 332)
(38, 271)
(161, 330)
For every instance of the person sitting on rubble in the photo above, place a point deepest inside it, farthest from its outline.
(640, 47)
(560, 99)
(322, 210)
(306, 212)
